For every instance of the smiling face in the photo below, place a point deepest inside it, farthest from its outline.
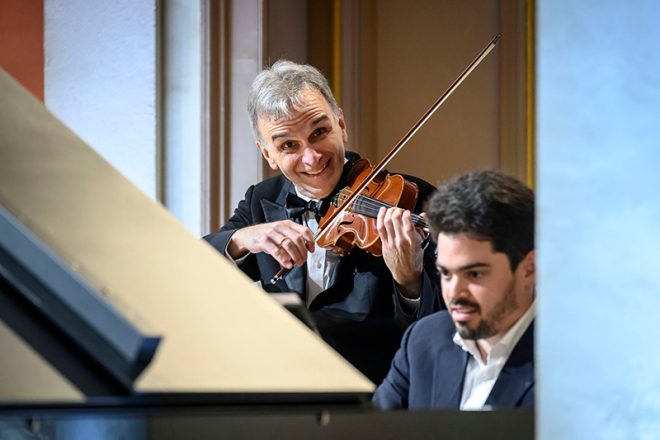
(484, 297)
(308, 147)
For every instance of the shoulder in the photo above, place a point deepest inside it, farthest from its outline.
(424, 191)
(272, 182)
(424, 188)
(270, 188)
(428, 343)
(421, 183)
(432, 331)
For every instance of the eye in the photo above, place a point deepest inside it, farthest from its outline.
(287, 145)
(320, 131)
(444, 273)
(475, 274)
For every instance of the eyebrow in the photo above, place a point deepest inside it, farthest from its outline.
(314, 123)
(477, 265)
(280, 135)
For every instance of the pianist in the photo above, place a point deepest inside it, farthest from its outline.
(479, 353)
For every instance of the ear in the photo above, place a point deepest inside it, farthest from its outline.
(342, 125)
(528, 267)
(266, 154)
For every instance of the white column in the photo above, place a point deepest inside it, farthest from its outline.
(598, 90)
(246, 54)
(182, 111)
(100, 79)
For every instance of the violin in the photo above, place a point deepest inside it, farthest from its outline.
(357, 226)
(350, 220)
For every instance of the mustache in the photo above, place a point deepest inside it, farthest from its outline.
(464, 302)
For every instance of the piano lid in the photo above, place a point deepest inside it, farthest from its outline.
(218, 333)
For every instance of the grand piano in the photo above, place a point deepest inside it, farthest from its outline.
(115, 322)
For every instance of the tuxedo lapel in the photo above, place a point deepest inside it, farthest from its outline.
(276, 211)
(345, 267)
(517, 376)
(339, 286)
(295, 279)
(510, 388)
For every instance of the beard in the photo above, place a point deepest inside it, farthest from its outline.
(490, 324)
(485, 329)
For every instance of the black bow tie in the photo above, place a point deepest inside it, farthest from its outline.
(296, 207)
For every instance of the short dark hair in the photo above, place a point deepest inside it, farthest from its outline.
(487, 206)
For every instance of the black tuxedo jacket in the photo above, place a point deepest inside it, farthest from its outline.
(359, 314)
(429, 368)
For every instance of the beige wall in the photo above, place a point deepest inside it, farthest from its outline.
(422, 47)
(410, 52)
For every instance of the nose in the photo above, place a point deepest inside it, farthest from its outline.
(453, 288)
(311, 156)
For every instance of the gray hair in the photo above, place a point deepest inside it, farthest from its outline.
(277, 90)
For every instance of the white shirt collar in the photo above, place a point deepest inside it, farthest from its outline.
(302, 196)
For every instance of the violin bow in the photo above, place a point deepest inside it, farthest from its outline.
(404, 140)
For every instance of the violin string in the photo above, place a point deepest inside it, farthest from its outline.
(371, 207)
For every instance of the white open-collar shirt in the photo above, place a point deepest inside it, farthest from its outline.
(480, 377)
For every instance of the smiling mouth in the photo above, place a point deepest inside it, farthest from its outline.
(316, 173)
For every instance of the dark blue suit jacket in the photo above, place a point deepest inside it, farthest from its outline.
(359, 315)
(429, 368)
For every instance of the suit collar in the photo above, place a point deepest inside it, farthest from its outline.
(451, 371)
(275, 211)
(294, 281)
(517, 376)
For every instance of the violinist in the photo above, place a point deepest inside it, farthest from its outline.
(361, 302)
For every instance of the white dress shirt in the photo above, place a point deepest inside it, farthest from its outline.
(480, 377)
(321, 263)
